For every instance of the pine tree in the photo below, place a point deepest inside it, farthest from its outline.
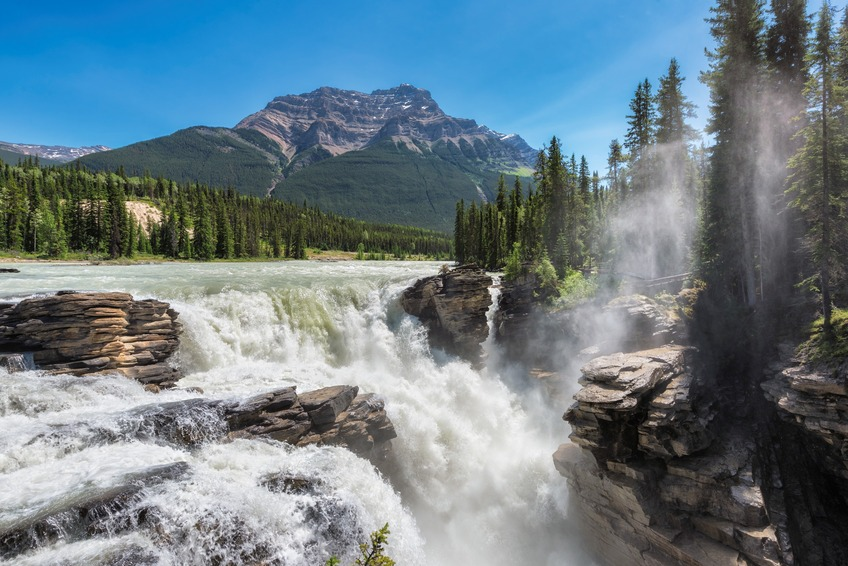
(673, 108)
(459, 235)
(203, 245)
(615, 160)
(640, 123)
(117, 214)
(728, 238)
(817, 177)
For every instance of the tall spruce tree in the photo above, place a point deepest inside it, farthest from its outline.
(727, 254)
(818, 178)
(673, 108)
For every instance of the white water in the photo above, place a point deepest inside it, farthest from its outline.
(470, 479)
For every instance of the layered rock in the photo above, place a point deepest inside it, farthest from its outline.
(453, 306)
(807, 449)
(336, 415)
(643, 322)
(88, 333)
(816, 400)
(652, 480)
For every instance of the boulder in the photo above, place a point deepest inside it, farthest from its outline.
(335, 415)
(643, 322)
(453, 307)
(89, 333)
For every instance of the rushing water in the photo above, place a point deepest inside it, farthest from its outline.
(470, 479)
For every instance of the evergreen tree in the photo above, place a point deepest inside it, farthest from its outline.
(818, 179)
(640, 123)
(459, 235)
(203, 245)
(673, 108)
(615, 160)
(117, 214)
(728, 238)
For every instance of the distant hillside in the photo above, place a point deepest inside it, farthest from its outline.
(219, 157)
(12, 158)
(47, 154)
(388, 181)
(392, 155)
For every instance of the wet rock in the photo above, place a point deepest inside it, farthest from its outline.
(640, 402)
(644, 322)
(453, 306)
(651, 480)
(90, 333)
(108, 511)
(13, 363)
(333, 415)
(817, 401)
(9, 270)
(325, 405)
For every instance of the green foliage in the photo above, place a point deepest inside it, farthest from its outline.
(576, 288)
(212, 156)
(513, 268)
(53, 211)
(546, 274)
(818, 349)
(371, 553)
(386, 182)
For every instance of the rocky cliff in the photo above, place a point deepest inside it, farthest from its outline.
(453, 306)
(653, 481)
(85, 333)
(667, 466)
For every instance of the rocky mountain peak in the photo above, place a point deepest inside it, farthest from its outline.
(338, 121)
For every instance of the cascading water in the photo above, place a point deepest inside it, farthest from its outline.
(469, 480)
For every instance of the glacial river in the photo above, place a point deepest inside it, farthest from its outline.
(469, 481)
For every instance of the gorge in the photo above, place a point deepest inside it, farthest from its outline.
(663, 467)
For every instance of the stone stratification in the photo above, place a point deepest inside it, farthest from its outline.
(336, 415)
(453, 306)
(650, 480)
(86, 333)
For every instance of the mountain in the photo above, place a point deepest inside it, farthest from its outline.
(11, 152)
(391, 156)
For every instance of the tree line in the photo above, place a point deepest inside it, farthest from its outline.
(564, 216)
(51, 211)
(760, 210)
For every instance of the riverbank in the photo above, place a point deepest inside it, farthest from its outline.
(312, 255)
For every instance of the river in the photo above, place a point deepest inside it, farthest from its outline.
(470, 479)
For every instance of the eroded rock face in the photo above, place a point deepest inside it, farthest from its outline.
(88, 333)
(336, 415)
(809, 454)
(651, 479)
(816, 400)
(453, 306)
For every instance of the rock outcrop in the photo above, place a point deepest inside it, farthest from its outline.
(453, 306)
(807, 450)
(815, 400)
(336, 415)
(651, 479)
(87, 333)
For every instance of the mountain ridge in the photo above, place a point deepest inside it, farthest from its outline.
(392, 155)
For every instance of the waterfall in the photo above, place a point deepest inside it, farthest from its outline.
(469, 480)
(17, 362)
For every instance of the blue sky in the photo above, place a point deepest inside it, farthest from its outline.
(112, 73)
